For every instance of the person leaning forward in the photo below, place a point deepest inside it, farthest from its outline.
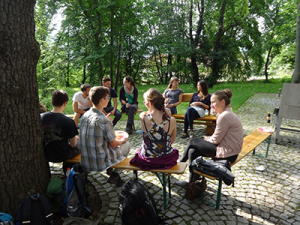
(99, 147)
(59, 132)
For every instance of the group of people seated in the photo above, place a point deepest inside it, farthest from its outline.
(97, 142)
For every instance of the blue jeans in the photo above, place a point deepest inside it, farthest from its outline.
(189, 117)
(131, 112)
(173, 110)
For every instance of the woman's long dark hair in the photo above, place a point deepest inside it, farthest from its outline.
(204, 88)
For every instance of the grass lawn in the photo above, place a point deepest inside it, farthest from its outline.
(241, 92)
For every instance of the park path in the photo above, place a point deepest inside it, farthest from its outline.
(268, 197)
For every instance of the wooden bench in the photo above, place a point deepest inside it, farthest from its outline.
(250, 142)
(161, 174)
(209, 121)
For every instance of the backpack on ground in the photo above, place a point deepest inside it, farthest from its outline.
(54, 193)
(6, 219)
(75, 203)
(137, 206)
(35, 210)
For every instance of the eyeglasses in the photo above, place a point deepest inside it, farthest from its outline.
(107, 97)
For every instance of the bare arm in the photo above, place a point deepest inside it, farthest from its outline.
(174, 131)
(90, 103)
(116, 143)
(115, 106)
(73, 141)
(199, 103)
(76, 109)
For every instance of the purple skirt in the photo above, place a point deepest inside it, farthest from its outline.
(162, 163)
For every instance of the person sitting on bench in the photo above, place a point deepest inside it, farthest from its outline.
(99, 147)
(173, 95)
(159, 133)
(227, 139)
(200, 101)
(59, 132)
(81, 102)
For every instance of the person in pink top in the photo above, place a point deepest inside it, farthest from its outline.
(227, 139)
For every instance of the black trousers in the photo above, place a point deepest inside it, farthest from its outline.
(198, 147)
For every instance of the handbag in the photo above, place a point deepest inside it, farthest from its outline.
(193, 189)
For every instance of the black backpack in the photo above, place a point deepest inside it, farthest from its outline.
(215, 168)
(136, 205)
(75, 195)
(35, 210)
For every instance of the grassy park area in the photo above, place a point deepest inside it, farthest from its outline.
(241, 92)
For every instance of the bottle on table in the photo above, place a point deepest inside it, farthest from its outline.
(268, 117)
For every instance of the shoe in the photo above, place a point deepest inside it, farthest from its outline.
(109, 171)
(115, 179)
(191, 134)
(181, 183)
(184, 135)
(129, 128)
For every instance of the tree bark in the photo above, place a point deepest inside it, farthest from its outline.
(23, 169)
(215, 67)
(296, 75)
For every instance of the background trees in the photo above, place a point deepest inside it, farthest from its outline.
(153, 40)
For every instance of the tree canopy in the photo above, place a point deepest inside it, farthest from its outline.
(153, 40)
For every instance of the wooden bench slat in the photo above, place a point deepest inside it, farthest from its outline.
(181, 116)
(177, 169)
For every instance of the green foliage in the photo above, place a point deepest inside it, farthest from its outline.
(154, 40)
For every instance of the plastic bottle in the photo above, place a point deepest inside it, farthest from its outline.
(68, 171)
(268, 117)
(127, 104)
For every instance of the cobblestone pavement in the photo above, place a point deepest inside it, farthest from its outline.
(268, 197)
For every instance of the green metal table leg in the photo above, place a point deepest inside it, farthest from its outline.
(253, 153)
(268, 141)
(164, 190)
(202, 192)
(169, 181)
(219, 194)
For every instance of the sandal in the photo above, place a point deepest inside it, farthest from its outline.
(184, 135)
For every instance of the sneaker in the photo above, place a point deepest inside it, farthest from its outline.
(191, 134)
(109, 171)
(115, 179)
(184, 135)
(181, 183)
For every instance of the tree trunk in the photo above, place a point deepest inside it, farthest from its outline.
(118, 64)
(216, 58)
(111, 49)
(296, 75)
(267, 64)
(23, 169)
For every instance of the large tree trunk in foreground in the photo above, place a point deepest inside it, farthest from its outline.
(23, 170)
(296, 75)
